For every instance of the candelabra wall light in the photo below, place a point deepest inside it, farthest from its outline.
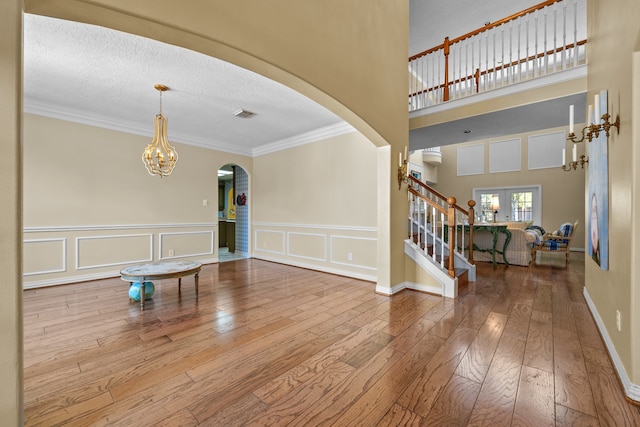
(402, 169)
(593, 129)
(602, 123)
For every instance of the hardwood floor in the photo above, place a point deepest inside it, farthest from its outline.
(268, 344)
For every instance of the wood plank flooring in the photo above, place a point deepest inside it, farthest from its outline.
(269, 344)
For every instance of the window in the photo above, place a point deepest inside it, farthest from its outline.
(516, 204)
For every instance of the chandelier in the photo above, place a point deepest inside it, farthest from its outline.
(160, 156)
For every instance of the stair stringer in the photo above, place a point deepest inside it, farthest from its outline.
(448, 285)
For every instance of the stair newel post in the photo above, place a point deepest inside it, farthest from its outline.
(451, 219)
(472, 215)
(445, 94)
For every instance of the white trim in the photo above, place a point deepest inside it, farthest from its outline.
(449, 284)
(87, 277)
(536, 214)
(315, 267)
(211, 250)
(324, 238)
(315, 226)
(304, 138)
(64, 256)
(331, 237)
(149, 259)
(60, 112)
(113, 227)
(632, 391)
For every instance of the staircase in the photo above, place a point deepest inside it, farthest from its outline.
(434, 221)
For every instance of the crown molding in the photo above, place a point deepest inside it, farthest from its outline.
(304, 138)
(33, 106)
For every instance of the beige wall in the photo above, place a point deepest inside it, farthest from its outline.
(613, 38)
(562, 192)
(315, 206)
(91, 208)
(11, 213)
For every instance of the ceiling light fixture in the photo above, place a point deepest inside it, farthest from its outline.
(160, 156)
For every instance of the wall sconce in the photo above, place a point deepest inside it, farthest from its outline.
(402, 169)
(495, 206)
(592, 130)
(573, 165)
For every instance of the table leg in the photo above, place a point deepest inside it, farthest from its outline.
(196, 285)
(495, 243)
(142, 295)
(179, 284)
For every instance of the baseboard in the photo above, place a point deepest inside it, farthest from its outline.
(631, 390)
(339, 272)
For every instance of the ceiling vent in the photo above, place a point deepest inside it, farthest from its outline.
(244, 114)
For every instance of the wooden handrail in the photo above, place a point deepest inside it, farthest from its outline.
(477, 73)
(449, 211)
(434, 192)
(505, 20)
(486, 28)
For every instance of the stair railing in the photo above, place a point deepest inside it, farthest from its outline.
(439, 223)
(541, 40)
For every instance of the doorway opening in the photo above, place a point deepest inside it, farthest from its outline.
(233, 213)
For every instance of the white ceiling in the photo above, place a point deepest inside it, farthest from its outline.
(103, 77)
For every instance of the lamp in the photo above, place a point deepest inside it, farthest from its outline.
(402, 169)
(160, 156)
(495, 206)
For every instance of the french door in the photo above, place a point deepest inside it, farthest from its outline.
(515, 204)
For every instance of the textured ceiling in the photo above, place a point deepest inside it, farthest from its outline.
(96, 74)
(103, 77)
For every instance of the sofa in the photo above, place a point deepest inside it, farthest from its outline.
(519, 250)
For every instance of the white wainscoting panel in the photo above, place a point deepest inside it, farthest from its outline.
(270, 241)
(358, 249)
(187, 240)
(470, 160)
(545, 150)
(43, 256)
(505, 156)
(307, 245)
(113, 250)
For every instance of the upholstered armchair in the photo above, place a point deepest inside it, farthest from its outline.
(557, 242)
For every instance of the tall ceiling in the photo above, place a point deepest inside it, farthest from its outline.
(103, 77)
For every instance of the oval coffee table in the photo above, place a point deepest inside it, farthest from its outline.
(161, 270)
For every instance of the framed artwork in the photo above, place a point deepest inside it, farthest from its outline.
(598, 201)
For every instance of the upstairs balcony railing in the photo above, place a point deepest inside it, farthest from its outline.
(544, 39)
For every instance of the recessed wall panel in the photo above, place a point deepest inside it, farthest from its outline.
(105, 251)
(307, 245)
(41, 256)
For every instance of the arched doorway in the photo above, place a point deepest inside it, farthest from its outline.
(233, 213)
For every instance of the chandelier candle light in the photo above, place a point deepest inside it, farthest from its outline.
(592, 130)
(601, 123)
(160, 156)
